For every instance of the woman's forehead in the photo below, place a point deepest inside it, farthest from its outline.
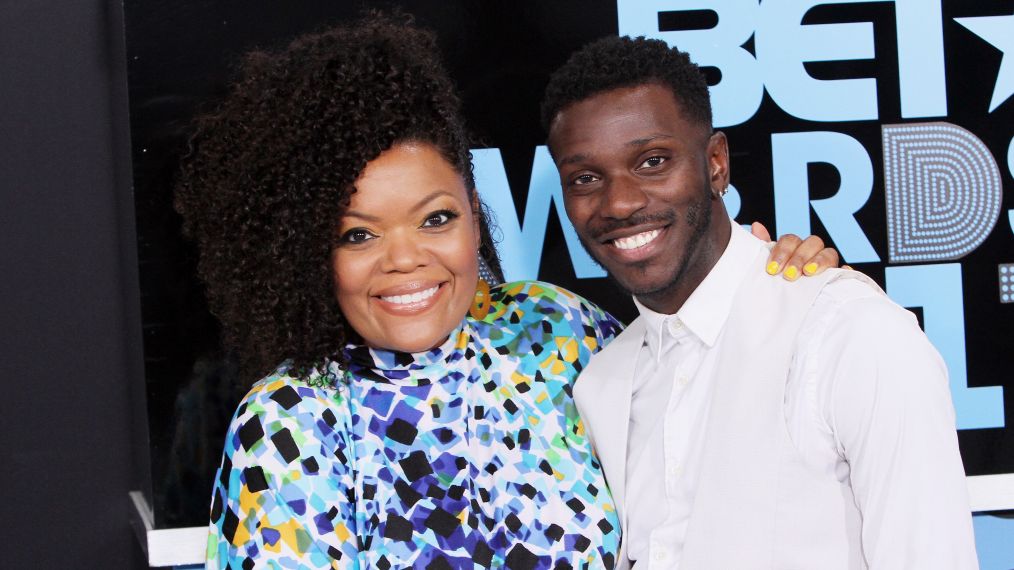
(405, 175)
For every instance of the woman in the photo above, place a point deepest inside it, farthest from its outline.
(419, 417)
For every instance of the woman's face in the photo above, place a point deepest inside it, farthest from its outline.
(405, 266)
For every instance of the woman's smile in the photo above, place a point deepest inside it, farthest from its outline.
(411, 301)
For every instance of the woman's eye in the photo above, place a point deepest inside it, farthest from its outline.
(437, 219)
(357, 235)
(653, 162)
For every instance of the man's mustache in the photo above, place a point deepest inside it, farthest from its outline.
(601, 229)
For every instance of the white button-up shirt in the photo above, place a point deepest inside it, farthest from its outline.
(837, 408)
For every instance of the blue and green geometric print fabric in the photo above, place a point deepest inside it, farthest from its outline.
(471, 455)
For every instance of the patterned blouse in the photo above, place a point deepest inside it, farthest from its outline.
(471, 455)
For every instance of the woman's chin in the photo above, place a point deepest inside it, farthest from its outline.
(415, 345)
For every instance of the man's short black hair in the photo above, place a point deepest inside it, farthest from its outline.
(615, 62)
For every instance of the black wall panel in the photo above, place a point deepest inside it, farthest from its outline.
(65, 423)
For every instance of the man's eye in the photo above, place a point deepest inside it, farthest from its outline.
(437, 219)
(583, 179)
(653, 162)
(357, 235)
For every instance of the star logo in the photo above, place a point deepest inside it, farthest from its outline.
(999, 32)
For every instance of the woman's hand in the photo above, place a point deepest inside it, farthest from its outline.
(792, 256)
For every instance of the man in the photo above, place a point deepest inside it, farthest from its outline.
(742, 422)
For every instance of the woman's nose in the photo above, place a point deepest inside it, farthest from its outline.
(403, 252)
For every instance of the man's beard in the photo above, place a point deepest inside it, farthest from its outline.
(698, 217)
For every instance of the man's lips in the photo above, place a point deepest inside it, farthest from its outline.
(628, 236)
(637, 240)
(634, 244)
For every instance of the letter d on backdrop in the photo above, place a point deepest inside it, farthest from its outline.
(943, 191)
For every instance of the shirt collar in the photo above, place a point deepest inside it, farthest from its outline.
(706, 310)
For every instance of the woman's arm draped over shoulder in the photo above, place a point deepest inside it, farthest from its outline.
(284, 494)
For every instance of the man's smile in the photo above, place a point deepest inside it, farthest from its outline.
(637, 240)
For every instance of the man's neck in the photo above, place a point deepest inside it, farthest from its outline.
(711, 247)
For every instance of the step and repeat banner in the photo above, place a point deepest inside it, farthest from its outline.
(883, 126)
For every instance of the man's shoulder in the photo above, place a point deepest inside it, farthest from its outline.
(853, 320)
(853, 298)
(839, 286)
(865, 312)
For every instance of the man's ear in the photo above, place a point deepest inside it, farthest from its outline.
(718, 162)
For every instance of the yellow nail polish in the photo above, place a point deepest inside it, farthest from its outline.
(810, 268)
(772, 267)
(791, 273)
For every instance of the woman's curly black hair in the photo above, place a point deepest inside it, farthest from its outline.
(615, 62)
(269, 173)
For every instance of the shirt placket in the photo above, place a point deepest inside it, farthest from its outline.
(676, 349)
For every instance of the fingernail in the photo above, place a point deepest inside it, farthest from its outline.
(772, 267)
(810, 268)
(849, 267)
(791, 273)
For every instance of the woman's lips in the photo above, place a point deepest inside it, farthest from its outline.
(411, 297)
(409, 300)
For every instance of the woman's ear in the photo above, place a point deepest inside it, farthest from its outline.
(476, 217)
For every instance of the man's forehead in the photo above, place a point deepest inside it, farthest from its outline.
(627, 116)
(647, 98)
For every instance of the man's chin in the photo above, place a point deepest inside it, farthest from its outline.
(639, 286)
(631, 278)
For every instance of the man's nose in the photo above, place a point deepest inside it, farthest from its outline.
(622, 198)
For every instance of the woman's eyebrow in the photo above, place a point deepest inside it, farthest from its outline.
(429, 198)
(418, 205)
(360, 215)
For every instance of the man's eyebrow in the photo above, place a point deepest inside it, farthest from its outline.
(422, 202)
(648, 139)
(580, 157)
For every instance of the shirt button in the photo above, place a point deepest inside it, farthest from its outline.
(659, 555)
(682, 380)
(675, 325)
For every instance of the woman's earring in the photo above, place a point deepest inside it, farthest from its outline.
(485, 273)
(483, 301)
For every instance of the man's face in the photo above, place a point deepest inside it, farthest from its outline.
(639, 179)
